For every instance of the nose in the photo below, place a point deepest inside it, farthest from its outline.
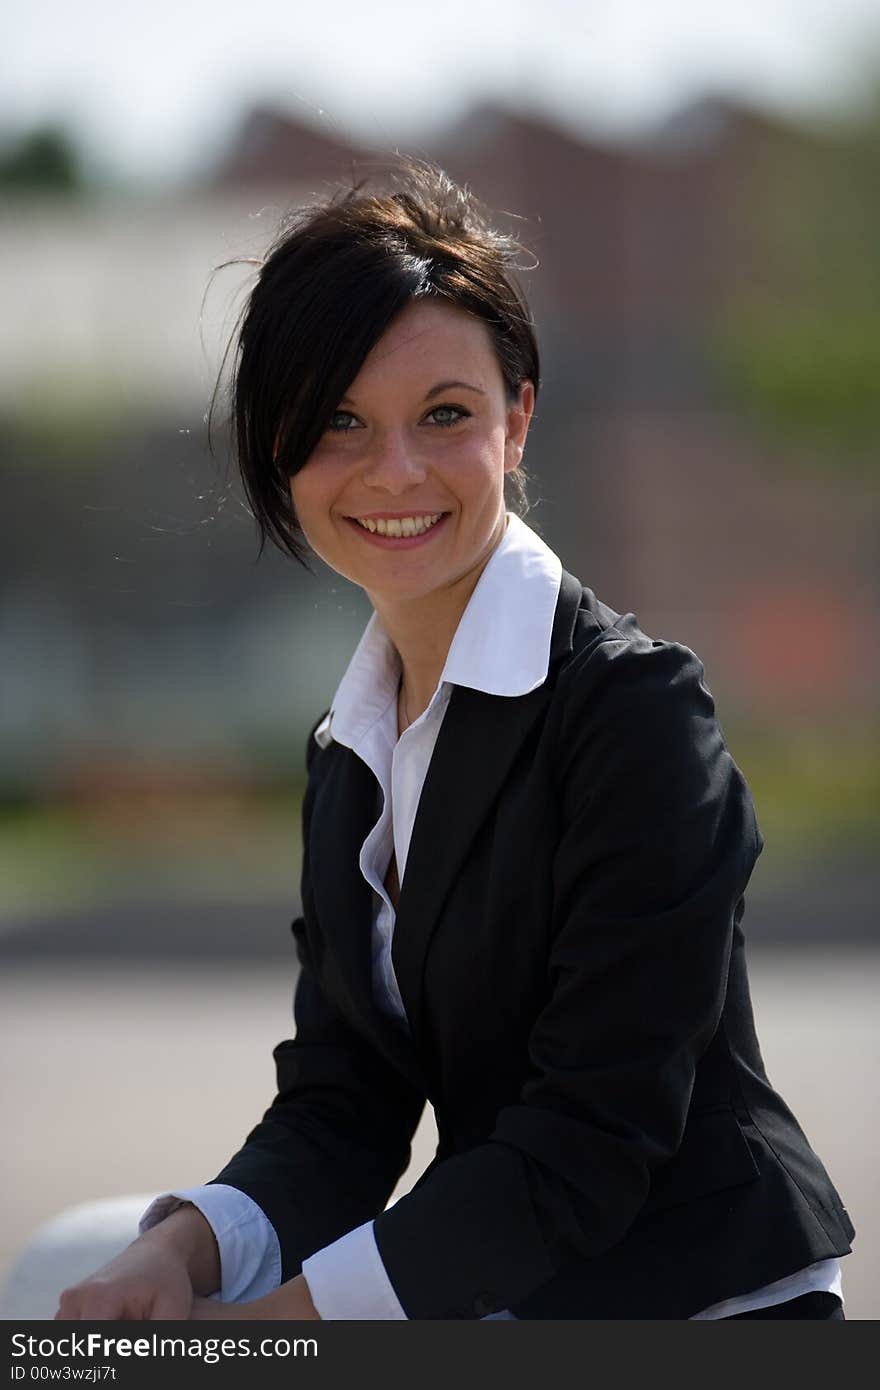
(392, 464)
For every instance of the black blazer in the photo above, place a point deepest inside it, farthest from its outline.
(569, 951)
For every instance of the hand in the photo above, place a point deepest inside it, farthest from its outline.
(292, 1302)
(154, 1278)
(147, 1282)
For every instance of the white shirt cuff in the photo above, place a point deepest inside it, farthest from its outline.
(824, 1275)
(347, 1280)
(250, 1256)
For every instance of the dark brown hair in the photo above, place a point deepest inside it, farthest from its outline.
(331, 282)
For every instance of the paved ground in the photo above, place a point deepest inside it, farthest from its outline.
(124, 1080)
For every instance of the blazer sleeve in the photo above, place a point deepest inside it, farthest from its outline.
(329, 1150)
(657, 842)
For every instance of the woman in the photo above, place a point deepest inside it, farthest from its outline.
(525, 852)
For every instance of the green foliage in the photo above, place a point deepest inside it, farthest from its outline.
(808, 378)
(798, 342)
(816, 791)
(69, 424)
(43, 160)
(56, 858)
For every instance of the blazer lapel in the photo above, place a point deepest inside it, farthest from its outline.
(477, 744)
(343, 815)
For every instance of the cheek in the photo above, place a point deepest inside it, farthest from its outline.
(320, 483)
(477, 469)
(308, 493)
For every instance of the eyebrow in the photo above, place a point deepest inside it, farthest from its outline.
(452, 386)
(436, 390)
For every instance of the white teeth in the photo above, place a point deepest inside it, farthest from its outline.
(399, 526)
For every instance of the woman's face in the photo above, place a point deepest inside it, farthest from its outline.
(425, 431)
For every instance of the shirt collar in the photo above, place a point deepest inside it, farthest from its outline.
(514, 601)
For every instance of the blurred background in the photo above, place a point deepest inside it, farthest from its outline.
(701, 191)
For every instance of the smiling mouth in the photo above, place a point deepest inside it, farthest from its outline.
(399, 533)
(415, 525)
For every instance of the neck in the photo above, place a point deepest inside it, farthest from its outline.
(422, 630)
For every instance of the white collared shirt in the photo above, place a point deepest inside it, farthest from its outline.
(363, 715)
(515, 599)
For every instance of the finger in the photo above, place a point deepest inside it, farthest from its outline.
(68, 1306)
(96, 1304)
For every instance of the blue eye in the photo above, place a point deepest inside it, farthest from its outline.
(345, 416)
(452, 413)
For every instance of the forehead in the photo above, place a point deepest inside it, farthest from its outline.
(430, 338)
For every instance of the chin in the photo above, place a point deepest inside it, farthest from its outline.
(403, 592)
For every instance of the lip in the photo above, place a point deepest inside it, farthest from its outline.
(397, 516)
(397, 542)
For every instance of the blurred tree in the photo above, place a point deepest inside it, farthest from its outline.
(799, 341)
(43, 159)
